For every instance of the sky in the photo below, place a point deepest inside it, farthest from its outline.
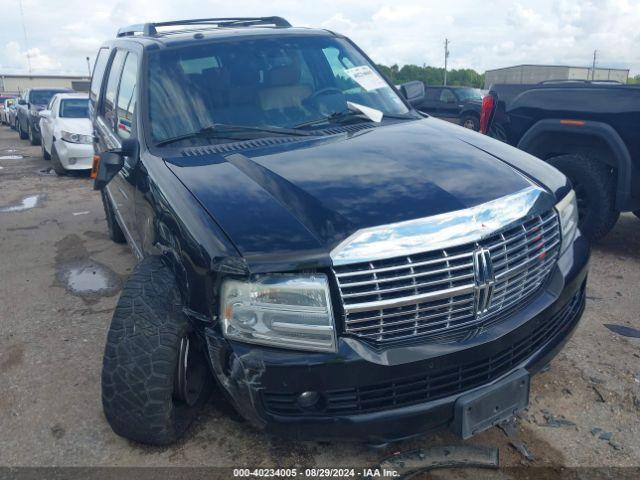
(483, 34)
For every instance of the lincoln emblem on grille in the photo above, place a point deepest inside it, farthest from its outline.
(485, 279)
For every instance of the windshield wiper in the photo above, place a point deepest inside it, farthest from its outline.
(354, 110)
(233, 132)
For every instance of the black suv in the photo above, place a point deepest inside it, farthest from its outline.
(459, 105)
(333, 262)
(28, 109)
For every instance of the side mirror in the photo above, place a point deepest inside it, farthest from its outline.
(22, 102)
(108, 164)
(414, 92)
(44, 113)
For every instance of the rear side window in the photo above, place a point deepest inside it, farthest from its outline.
(98, 72)
(127, 96)
(108, 104)
(432, 94)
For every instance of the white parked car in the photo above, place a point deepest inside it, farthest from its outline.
(66, 132)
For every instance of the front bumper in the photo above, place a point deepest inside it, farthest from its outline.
(74, 156)
(382, 396)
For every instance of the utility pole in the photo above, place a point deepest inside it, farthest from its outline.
(593, 67)
(26, 39)
(89, 65)
(446, 57)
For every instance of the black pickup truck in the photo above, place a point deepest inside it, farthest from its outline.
(590, 131)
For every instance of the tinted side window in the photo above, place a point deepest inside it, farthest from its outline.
(432, 94)
(127, 96)
(98, 72)
(447, 96)
(108, 104)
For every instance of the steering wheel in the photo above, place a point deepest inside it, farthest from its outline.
(325, 91)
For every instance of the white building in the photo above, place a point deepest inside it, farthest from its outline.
(530, 74)
(19, 83)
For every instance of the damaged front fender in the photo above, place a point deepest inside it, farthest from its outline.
(240, 376)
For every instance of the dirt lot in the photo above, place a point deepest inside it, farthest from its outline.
(59, 281)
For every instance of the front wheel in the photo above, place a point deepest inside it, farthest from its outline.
(595, 187)
(23, 135)
(56, 164)
(155, 376)
(45, 154)
(471, 122)
(34, 138)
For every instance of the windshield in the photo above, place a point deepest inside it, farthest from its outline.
(277, 82)
(41, 97)
(74, 108)
(469, 93)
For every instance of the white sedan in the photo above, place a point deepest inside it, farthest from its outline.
(67, 133)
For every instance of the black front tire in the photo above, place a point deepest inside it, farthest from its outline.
(115, 231)
(595, 185)
(471, 122)
(45, 154)
(34, 138)
(140, 368)
(23, 135)
(56, 164)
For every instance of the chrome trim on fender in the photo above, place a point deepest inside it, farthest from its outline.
(446, 230)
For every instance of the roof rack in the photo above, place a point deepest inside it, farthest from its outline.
(578, 80)
(149, 29)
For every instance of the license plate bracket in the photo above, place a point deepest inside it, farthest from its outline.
(479, 410)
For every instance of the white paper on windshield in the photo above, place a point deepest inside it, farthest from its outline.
(371, 113)
(366, 77)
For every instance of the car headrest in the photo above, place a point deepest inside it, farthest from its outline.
(283, 75)
(244, 74)
(217, 76)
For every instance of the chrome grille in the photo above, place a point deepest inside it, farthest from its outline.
(441, 294)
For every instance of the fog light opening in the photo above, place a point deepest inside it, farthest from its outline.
(309, 400)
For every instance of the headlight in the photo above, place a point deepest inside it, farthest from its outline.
(568, 213)
(288, 311)
(75, 137)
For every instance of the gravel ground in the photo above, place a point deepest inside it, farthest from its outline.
(59, 281)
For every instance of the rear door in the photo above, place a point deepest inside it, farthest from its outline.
(431, 101)
(448, 105)
(121, 190)
(46, 124)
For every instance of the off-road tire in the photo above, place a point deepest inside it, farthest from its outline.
(468, 119)
(55, 163)
(34, 139)
(23, 135)
(46, 155)
(115, 231)
(595, 186)
(141, 358)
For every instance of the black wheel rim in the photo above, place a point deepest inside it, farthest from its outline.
(191, 371)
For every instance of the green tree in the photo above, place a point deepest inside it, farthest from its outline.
(432, 75)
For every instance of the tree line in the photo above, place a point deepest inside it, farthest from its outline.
(433, 75)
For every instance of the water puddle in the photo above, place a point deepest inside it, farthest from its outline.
(11, 157)
(46, 171)
(89, 279)
(25, 204)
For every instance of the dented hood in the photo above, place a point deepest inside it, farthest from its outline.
(300, 199)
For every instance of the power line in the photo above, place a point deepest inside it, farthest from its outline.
(26, 40)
